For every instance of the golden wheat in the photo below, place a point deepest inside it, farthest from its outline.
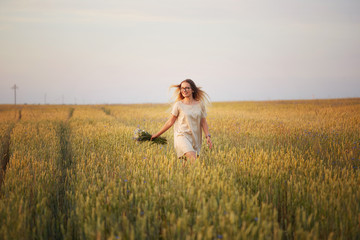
(278, 170)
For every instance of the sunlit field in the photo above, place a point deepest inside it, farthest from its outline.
(278, 170)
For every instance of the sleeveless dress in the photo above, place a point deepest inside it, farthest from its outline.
(187, 129)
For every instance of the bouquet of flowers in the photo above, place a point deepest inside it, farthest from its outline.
(142, 136)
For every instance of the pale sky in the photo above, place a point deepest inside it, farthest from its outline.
(131, 51)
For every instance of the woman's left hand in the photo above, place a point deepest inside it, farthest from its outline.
(208, 141)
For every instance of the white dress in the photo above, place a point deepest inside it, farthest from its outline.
(187, 129)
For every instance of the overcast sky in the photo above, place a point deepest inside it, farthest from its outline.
(131, 51)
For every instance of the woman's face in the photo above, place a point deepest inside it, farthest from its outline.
(186, 90)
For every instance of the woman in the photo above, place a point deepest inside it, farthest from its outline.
(189, 116)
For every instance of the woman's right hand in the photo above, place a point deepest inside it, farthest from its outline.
(166, 126)
(153, 136)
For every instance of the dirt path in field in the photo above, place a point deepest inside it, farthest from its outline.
(64, 164)
(19, 116)
(109, 113)
(5, 149)
(5, 153)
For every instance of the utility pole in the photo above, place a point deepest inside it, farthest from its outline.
(45, 99)
(15, 87)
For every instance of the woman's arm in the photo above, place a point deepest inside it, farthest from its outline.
(166, 126)
(205, 128)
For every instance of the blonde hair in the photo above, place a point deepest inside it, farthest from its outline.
(198, 94)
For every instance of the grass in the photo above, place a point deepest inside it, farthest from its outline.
(278, 170)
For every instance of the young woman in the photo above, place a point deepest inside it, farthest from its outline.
(189, 116)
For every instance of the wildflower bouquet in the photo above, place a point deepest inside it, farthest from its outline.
(142, 136)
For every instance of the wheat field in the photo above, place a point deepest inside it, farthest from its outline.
(278, 170)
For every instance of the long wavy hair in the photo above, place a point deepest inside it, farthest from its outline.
(198, 94)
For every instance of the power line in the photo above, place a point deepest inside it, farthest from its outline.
(15, 87)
